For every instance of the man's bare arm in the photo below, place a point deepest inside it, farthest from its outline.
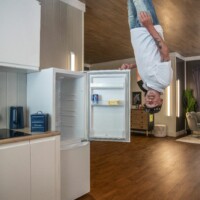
(128, 66)
(146, 21)
(131, 66)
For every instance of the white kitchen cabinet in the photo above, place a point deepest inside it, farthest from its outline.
(45, 169)
(15, 171)
(30, 170)
(20, 34)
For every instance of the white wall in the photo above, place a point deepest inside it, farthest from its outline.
(12, 93)
(161, 117)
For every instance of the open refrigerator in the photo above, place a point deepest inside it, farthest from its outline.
(67, 97)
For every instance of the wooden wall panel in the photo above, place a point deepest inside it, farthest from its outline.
(61, 32)
(76, 38)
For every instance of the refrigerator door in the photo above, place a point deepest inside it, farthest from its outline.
(75, 170)
(109, 105)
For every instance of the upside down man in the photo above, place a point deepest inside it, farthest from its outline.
(154, 72)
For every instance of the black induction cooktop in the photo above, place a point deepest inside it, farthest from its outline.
(8, 133)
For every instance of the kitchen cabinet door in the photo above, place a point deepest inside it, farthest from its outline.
(15, 171)
(45, 168)
(20, 34)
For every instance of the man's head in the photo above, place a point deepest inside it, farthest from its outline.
(153, 101)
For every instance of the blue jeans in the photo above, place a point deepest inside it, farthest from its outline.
(135, 7)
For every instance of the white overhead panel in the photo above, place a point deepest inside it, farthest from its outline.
(75, 3)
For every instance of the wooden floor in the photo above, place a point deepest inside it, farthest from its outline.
(148, 168)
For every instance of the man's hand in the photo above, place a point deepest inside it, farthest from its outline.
(131, 66)
(145, 19)
(128, 66)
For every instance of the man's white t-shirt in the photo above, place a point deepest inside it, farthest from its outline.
(155, 74)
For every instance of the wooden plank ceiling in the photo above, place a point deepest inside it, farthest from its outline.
(107, 35)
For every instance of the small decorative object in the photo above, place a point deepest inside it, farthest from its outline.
(95, 98)
(141, 107)
(39, 122)
(136, 98)
(113, 102)
(160, 130)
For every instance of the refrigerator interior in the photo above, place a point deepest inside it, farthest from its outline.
(70, 107)
(108, 121)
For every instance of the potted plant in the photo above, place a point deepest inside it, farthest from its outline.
(189, 104)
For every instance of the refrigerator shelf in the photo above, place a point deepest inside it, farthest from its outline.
(119, 105)
(94, 134)
(106, 86)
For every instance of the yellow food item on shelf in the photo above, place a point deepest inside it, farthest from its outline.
(113, 102)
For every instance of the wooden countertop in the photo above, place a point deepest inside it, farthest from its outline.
(32, 136)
